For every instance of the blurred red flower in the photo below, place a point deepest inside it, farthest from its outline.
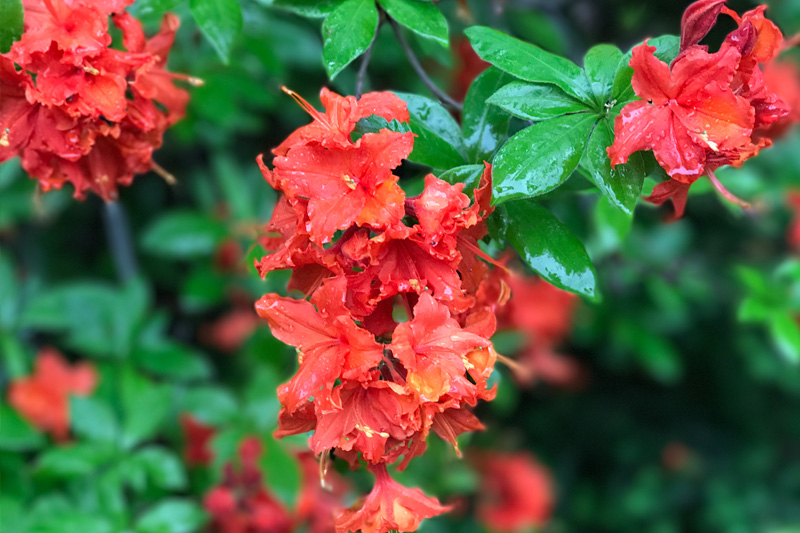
(43, 397)
(197, 438)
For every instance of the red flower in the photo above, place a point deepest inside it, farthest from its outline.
(329, 346)
(230, 331)
(78, 111)
(196, 451)
(516, 492)
(321, 495)
(389, 506)
(685, 111)
(241, 504)
(43, 397)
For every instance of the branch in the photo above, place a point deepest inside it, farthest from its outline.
(362, 70)
(415, 64)
(118, 235)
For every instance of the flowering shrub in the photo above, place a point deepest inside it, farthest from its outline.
(435, 301)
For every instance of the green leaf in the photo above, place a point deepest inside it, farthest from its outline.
(11, 19)
(220, 21)
(438, 143)
(528, 62)
(75, 460)
(305, 8)
(173, 515)
(183, 235)
(786, 335)
(93, 419)
(485, 128)
(621, 185)
(261, 405)
(346, 33)
(469, 175)
(210, 405)
(532, 101)
(281, 470)
(667, 47)
(549, 247)
(171, 360)
(16, 434)
(72, 521)
(164, 469)
(601, 64)
(541, 157)
(419, 16)
(145, 407)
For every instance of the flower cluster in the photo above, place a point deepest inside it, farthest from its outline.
(77, 111)
(394, 340)
(43, 397)
(705, 110)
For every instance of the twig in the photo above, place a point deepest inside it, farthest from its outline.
(415, 64)
(118, 235)
(362, 70)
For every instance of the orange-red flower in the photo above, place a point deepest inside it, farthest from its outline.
(79, 112)
(389, 506)
(43, 397)
(516, 492)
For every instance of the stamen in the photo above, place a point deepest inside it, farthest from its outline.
(480, 253)
(91, 70)
(351, 183)
(325, 461)
(166, 176)
(510, 363)
(725, 192)
(191, 80)
(308, 108)
(4, 142)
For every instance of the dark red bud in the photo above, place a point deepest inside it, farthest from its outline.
(697, 21)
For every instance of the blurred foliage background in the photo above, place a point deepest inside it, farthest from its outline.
(688, 419)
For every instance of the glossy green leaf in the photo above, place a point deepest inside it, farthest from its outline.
(438, 143)
(621, 185)
(11, 19)
(172, 515)
(531, 101)
(549, 247)
(541, 157)
(16, 434)
(220, 21)
(346, 33)
(469, 175)
(72, 521)
(420, 16)
(182, 235)
(785, 333)
(484, 127)
(93, 419)
(527, 61)
(305, 8)
(601, 64)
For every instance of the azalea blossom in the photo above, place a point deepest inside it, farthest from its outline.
(77, 111)
(43, 397)
(705, 110)
(371, 386)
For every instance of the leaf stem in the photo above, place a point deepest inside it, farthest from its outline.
(415, 64)
(118, 234)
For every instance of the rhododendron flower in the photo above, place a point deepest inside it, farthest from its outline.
(241, 503)
(197, 440)
(43, 397)
(705, 110)
(79, 112)
(369, 386)
(389, 506)
(516, 492)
